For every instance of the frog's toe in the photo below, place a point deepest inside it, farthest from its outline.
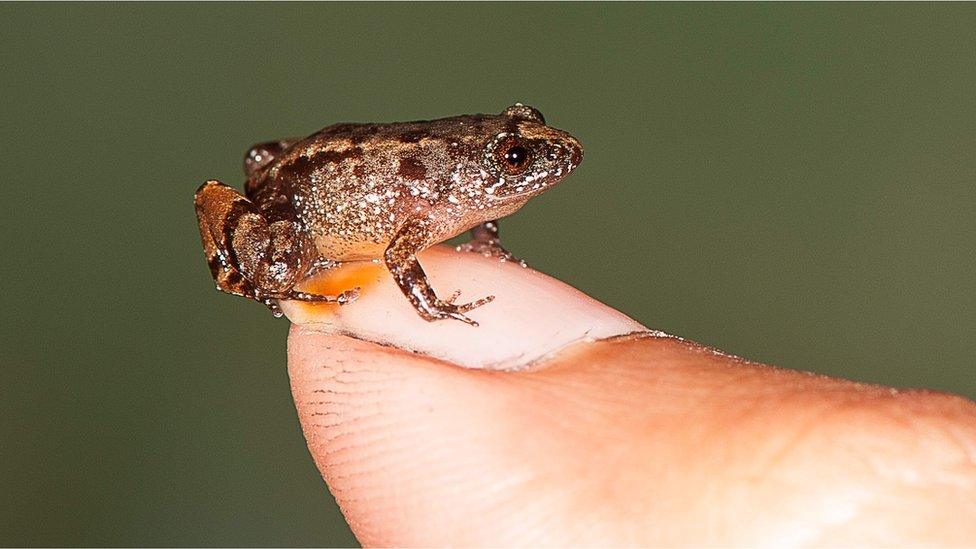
(465, 307)
(475, 304)
(348, 296)
(444, 312)
(454, 296)
(447, 309)
(458, 316)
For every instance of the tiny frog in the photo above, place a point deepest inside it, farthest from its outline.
(355, 192)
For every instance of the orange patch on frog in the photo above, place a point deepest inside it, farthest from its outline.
(360, 275)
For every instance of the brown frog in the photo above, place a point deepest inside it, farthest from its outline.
(377, 191)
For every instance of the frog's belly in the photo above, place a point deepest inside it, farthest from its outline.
(338, 248)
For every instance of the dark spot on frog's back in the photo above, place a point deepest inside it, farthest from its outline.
(357, 134)
(301, 166)
(298, 164)
(329, 156)
(412, 136)
(411, 168)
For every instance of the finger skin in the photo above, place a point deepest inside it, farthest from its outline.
(633, 441)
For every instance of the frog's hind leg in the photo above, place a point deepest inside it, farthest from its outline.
(213, 209)
(249, 257)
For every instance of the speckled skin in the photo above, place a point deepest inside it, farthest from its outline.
(369, 191)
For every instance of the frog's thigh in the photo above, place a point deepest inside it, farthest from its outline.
(217, 205)
(269, 256)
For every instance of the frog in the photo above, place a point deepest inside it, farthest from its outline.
(377, 192)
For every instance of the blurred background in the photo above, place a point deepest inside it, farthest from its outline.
(794, 184)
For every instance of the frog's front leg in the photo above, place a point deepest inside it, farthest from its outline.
(247, 255)
(485, 241)
(401, 260)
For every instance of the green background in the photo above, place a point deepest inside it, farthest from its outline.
(791, 183)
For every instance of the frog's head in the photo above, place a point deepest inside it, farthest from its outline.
(528, 157)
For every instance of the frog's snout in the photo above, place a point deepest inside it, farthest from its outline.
(575, 151)
(559, 148)
(568, 151)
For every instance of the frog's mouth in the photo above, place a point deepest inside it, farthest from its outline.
(532, 185)
(547, 175)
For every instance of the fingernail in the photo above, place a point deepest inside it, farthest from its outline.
(532, 316)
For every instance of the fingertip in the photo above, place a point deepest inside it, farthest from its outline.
(398, 437)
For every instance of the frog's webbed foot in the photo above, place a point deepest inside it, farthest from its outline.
(485, 241)
(401, 260)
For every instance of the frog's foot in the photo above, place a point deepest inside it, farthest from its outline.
(347, 296)
(490, 248)
(442, 309)
(485, 241)
(271, 301)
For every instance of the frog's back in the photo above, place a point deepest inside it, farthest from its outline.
(361, 145)
(352, 185)
(402, 137)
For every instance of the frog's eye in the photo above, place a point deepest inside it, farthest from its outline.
(514, 158)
